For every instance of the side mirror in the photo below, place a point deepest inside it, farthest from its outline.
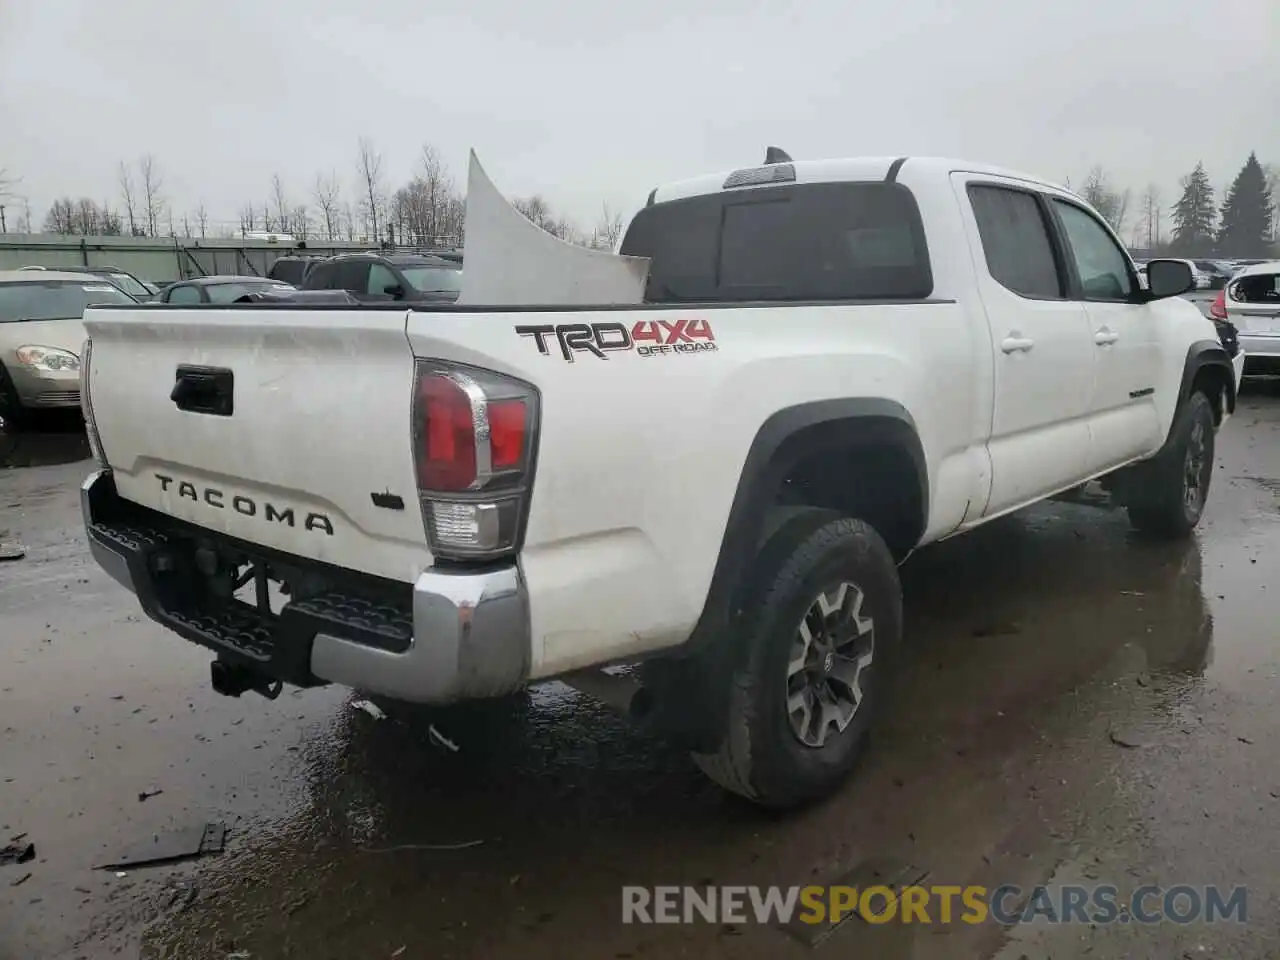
(1168, 278)
(393, 290)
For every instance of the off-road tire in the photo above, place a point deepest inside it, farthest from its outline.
(760, 756)
(1158, 502)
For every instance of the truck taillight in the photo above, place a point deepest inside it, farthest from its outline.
(86, 405)
(474, 436)
(1218, 310)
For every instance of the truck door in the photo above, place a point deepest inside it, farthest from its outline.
(1043, 349)
(1123, 419)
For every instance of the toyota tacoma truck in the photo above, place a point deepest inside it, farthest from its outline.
(833, 364)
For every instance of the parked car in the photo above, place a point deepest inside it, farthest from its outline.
(41, 336)
(1250, 303)
(834, 365)
(413, 278)
(216, 289)
(1218, 272)
(121, 278)
(293, 270)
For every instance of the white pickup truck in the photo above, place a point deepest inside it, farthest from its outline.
(835, 363)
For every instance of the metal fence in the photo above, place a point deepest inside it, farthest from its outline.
(161, 259)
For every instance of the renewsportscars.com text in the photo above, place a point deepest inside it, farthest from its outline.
(1005, 905)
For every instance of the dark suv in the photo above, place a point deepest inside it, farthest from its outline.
(293, 270)
(394, 276)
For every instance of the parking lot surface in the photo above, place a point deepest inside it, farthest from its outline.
(1078, 706)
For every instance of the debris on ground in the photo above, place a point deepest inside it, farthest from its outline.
(464, 845)
(1127, 738)
(1132, 593)
(440, 740)
(399, 952)
(167, 847)
(17, 852)
(11, 551)
(996, 629)
(20, 881)
(372, 709)
(148, 794)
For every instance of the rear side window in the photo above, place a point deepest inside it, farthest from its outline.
(818, 241)
(290, 271)
(1015, 241)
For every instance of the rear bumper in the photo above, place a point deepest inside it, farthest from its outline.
(448, 636)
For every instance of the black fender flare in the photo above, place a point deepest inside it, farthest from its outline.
(783, 440)
(1202, 354)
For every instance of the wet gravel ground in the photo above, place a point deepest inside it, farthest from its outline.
(1039, 647)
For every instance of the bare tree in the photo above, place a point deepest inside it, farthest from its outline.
(328, 194)
(369, 167)
(535, 208)
(152, 201)
(7, 183)
(248, 219)
(1149, 216)
(300, 222)
(202, 219)
(608, 230)
(81, 217)
(348, 220)
(127, 194)
(1113, 205)
(281, 203)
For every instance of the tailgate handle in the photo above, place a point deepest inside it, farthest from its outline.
(204, 390)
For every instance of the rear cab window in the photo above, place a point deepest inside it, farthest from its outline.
(798, 242)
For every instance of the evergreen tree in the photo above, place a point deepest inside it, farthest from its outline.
(1246, 213)
(1193, 214)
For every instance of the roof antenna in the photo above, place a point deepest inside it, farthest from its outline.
(776, 155)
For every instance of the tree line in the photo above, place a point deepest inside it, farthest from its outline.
(427, 210)
(1245, 224)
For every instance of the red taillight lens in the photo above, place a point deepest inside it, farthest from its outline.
(507, 420)
(1219, 308)
(474, 433)
(447, 454)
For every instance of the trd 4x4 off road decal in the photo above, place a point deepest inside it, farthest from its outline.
(648, 338)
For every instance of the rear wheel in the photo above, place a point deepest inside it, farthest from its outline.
(819, 638)
(1169, 493)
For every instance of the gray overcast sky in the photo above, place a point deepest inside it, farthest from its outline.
(586, 101)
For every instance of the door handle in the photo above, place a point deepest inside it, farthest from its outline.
(208, 390)
(1014, 343)
(1105, 337)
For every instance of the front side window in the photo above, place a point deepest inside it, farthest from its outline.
(55, 299)
(379, 279)
(814, 241)
(185, 293)
(1015, 241)
(1102, 266)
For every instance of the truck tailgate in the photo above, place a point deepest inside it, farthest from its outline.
(312, 456)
